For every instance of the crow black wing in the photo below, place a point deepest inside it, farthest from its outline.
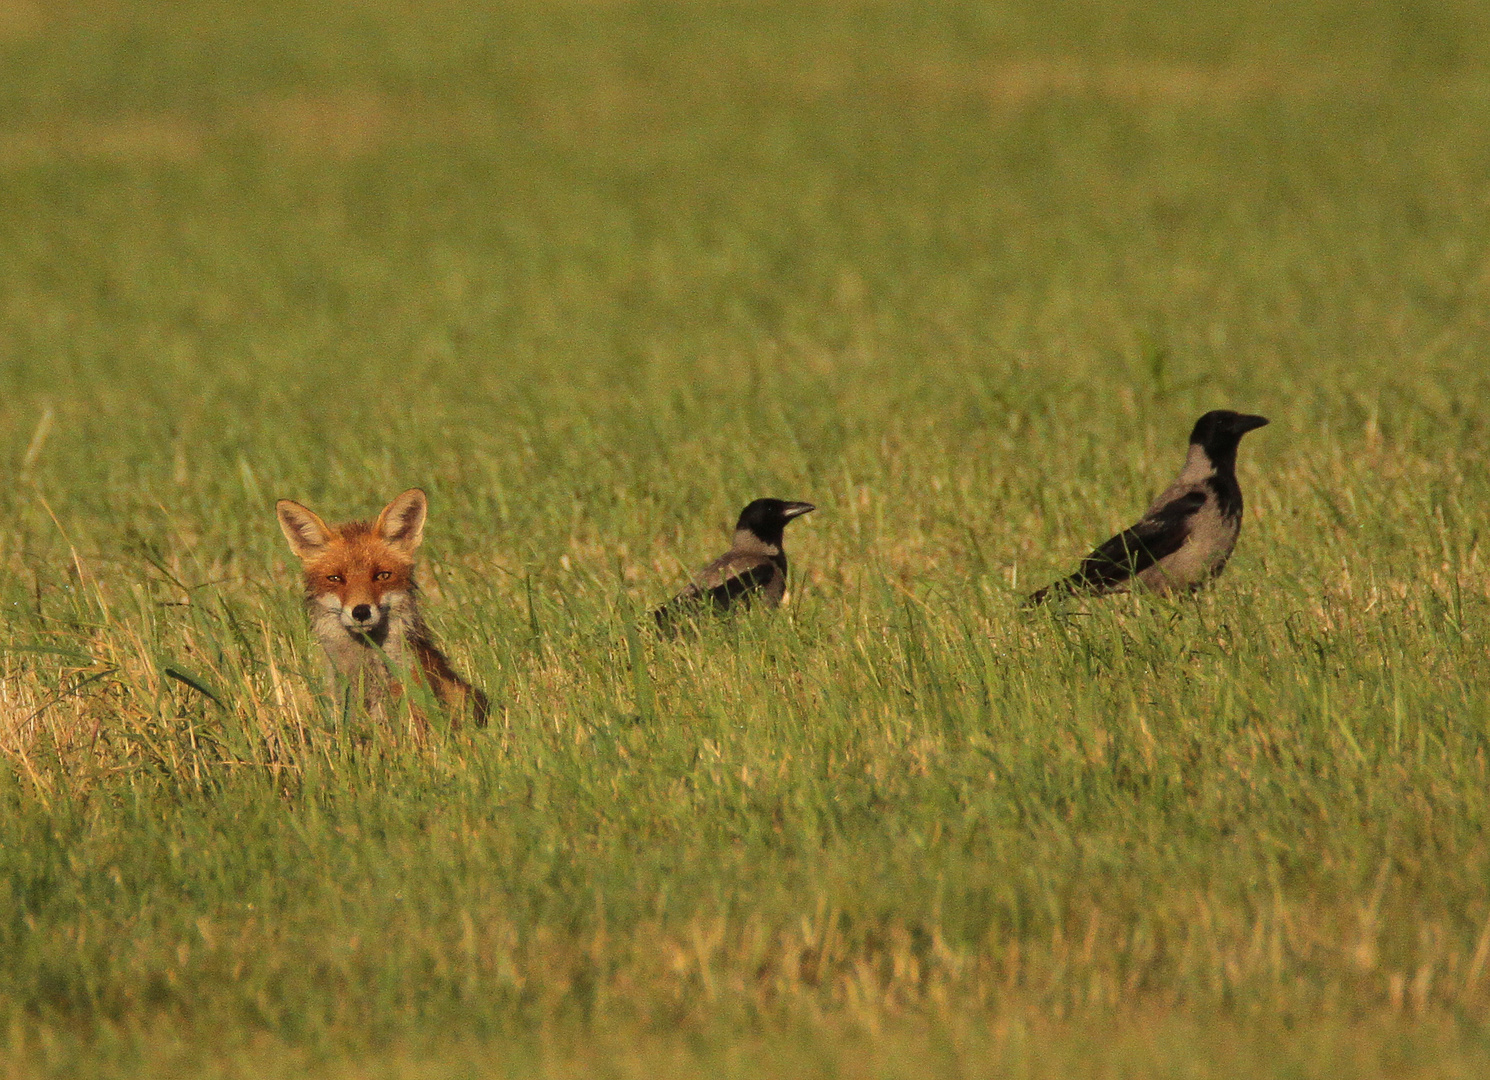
(720, 584)
(1132, 551)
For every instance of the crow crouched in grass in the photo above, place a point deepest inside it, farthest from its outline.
(1186, 536)
(754, 568)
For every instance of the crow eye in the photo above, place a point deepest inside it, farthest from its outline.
(337, 578)
(383, 575)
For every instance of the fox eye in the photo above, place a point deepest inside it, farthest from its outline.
(337, 578)
(383, 575)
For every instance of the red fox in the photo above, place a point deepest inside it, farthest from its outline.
(360, 592)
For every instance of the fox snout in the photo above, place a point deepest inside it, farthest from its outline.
(361, 615)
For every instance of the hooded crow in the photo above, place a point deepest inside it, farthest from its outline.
(754, 566)
(1186, 535)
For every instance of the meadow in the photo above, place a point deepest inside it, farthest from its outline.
(596, 274)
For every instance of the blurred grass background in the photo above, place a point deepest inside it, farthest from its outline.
(597, 274)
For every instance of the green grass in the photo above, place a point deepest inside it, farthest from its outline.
(595, 275)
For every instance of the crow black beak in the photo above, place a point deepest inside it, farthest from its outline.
(797, 509)
(1245, 424)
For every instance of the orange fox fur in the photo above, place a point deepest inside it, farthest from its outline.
(363, 605)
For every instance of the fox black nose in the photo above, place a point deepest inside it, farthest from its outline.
(362, 612)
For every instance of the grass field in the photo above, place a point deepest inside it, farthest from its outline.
(597, 274)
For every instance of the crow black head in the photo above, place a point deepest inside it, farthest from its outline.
(766, 518)
(1219, 431)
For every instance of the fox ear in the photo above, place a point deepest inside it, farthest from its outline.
(402, 521)
(307, 534)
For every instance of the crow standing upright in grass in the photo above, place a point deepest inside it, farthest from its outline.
(1187, 534)
(753, 568)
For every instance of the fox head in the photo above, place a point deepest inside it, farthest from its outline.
(362, 574)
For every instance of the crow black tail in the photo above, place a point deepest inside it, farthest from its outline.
(1067, 586)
